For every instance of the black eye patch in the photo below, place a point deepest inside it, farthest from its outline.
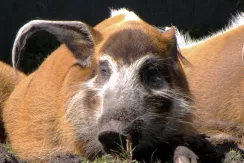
(153, 73)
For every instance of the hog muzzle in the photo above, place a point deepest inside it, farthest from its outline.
(112, 141)
(114, 135)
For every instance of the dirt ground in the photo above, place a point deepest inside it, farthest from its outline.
(7, 157)
(230, 155)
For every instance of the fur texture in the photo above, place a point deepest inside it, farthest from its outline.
(184, 40)
(216, 81)
(8, 80)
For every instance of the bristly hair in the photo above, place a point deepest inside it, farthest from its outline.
(185, 41)
(129, 15)
(182, 59)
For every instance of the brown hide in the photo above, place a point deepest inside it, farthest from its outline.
(216, 81)
(46, 90)
(8, 80)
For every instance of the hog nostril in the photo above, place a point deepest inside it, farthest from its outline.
(112, 140)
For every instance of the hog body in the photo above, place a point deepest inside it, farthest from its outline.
(216, 81)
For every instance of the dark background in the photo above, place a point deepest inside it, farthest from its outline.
(199, 17)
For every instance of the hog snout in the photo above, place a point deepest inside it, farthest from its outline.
(112, 136)
(112, 140)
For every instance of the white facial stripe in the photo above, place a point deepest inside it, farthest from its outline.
(140, 61)
(114, 68)
(129, 76)
(112, 63)
(129, 72)
(114, 71)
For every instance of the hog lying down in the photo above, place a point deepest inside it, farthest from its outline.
(118, 82)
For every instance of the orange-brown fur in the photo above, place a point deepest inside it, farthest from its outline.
(47, 93)
(8, 80)
(216, 81)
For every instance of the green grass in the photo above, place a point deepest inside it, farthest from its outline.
(8, 147)
(233, 156)
(123, 156)
(117, 159)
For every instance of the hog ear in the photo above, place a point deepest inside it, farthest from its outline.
(77, 36)
(171, 42)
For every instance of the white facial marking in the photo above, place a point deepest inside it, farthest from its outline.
(114, 72)
(115, 79)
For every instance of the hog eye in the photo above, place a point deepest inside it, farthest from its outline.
(104, 69)
(152, 77)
